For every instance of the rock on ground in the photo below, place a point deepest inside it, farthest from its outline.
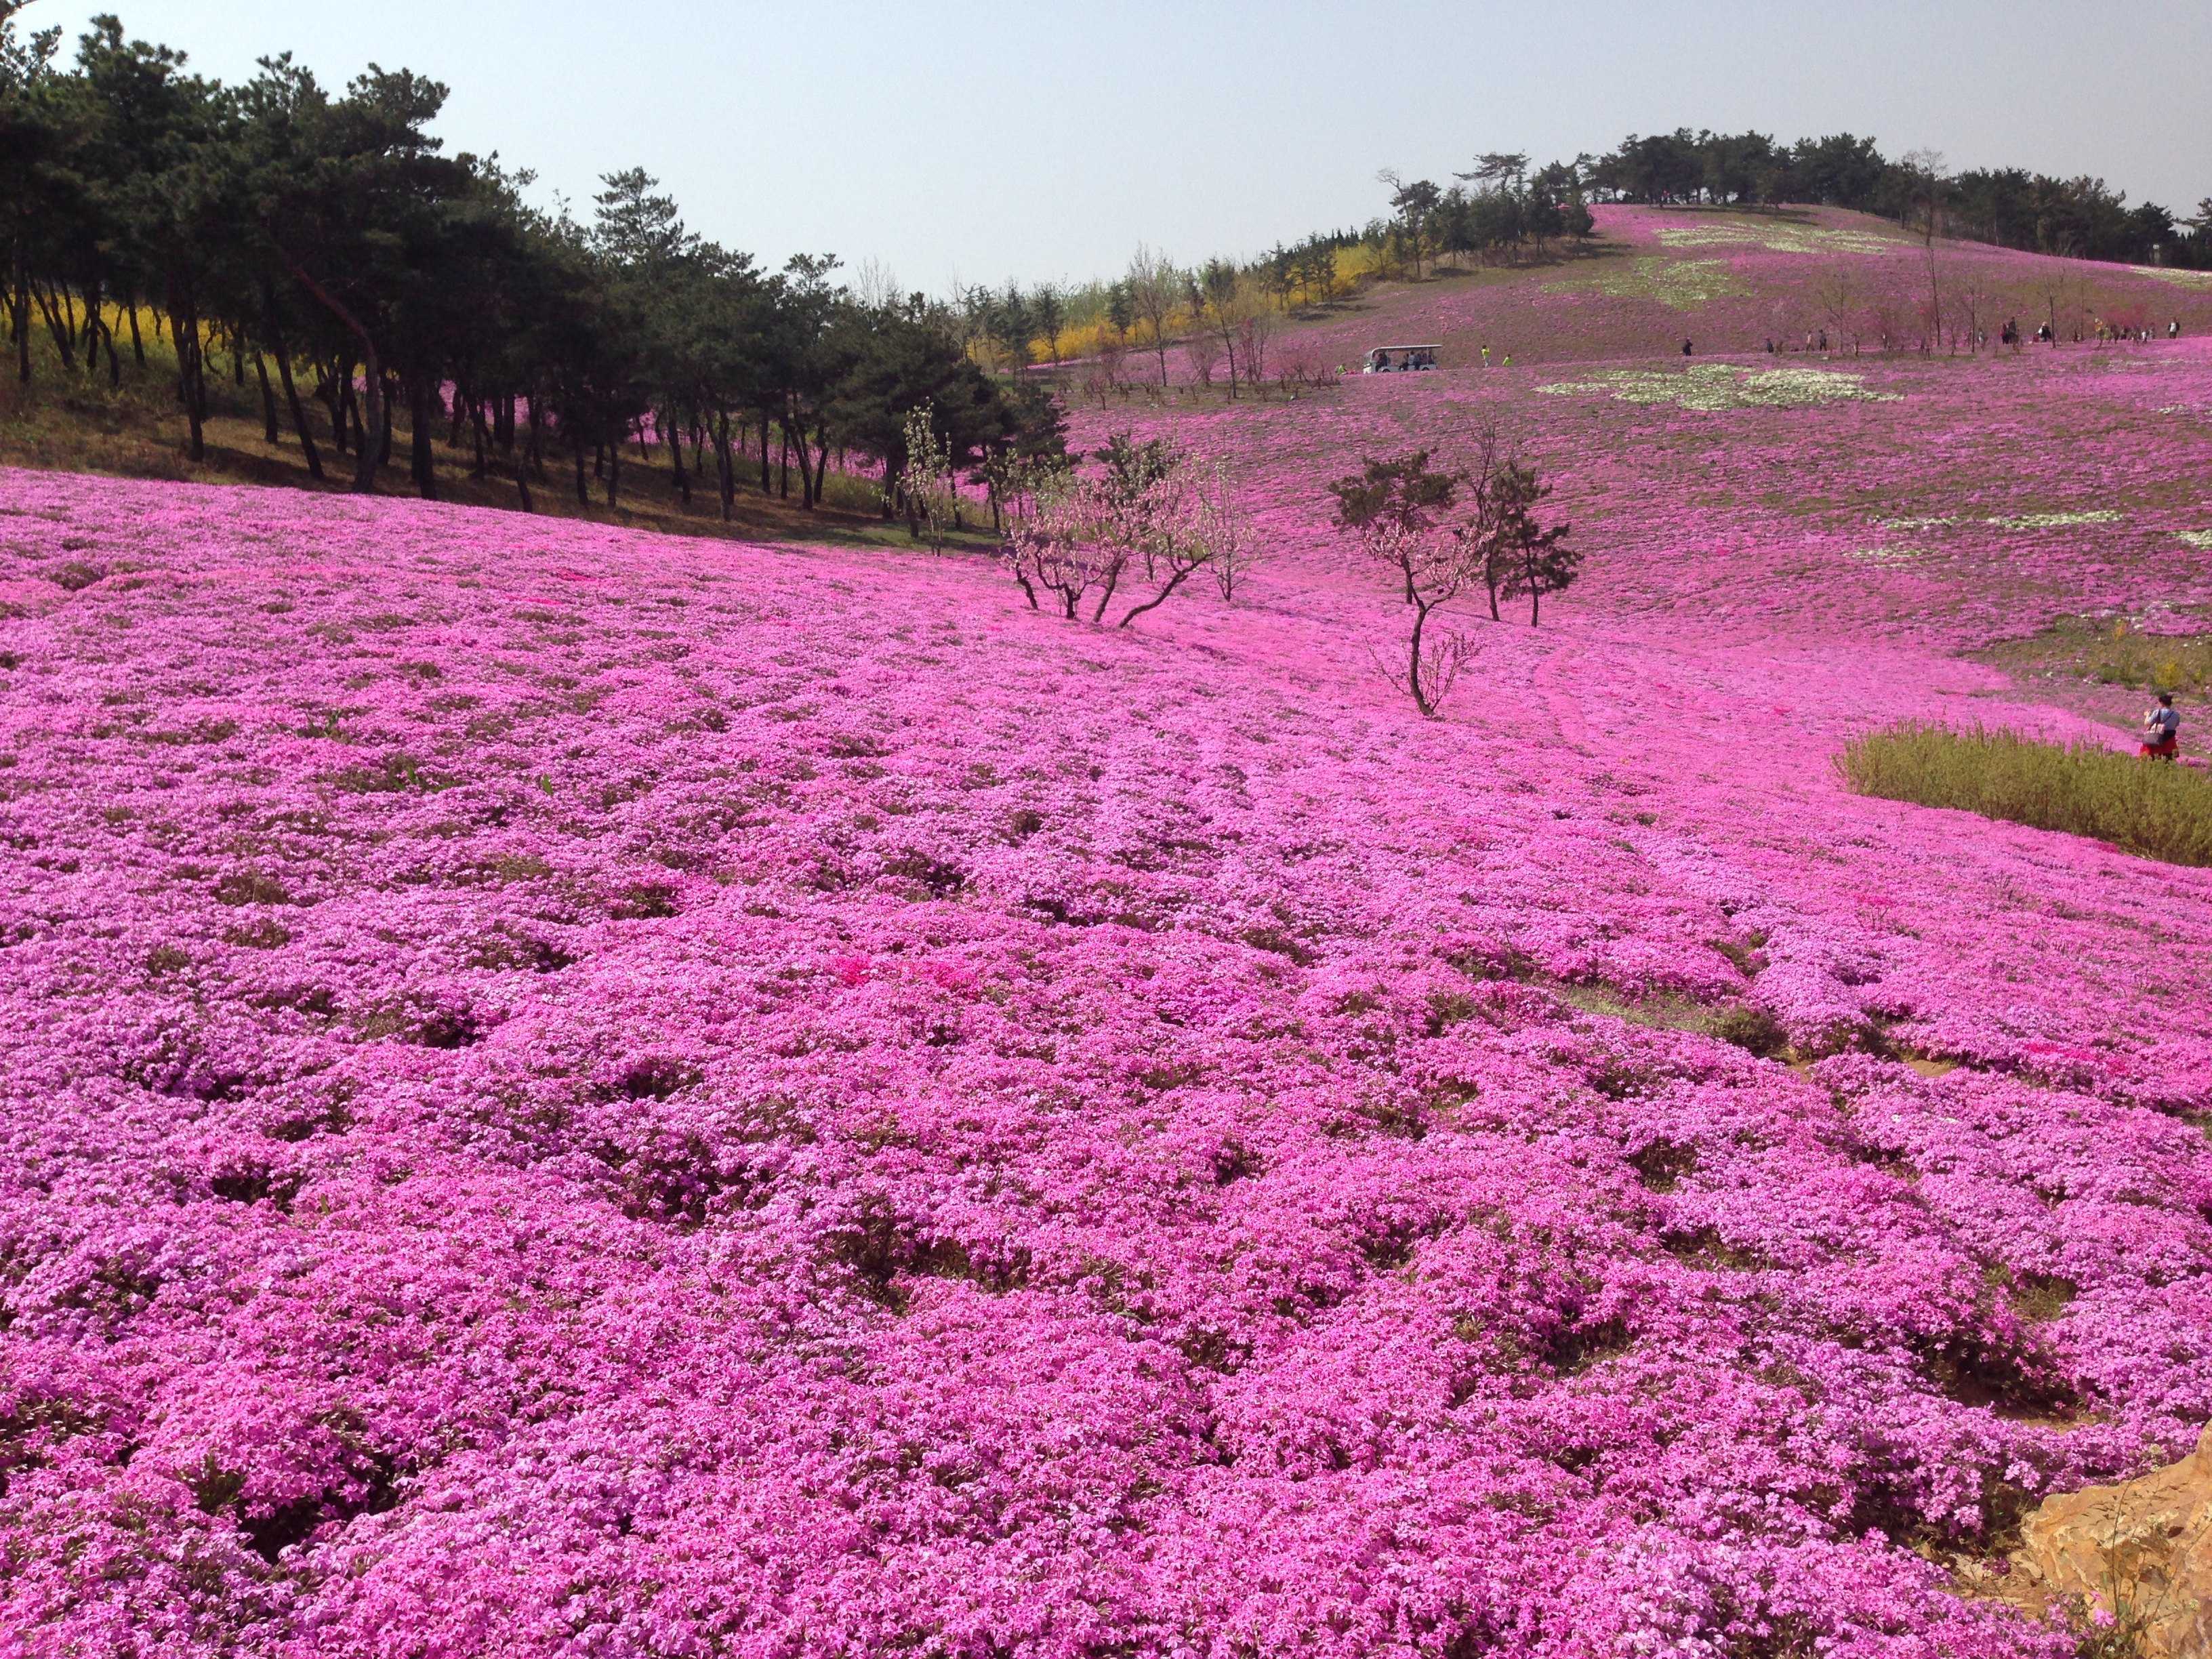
(2140, 1551)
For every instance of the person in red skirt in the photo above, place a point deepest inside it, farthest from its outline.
(2161, 730)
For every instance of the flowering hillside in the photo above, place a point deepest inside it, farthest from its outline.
(566, 1091)
(1731, 280)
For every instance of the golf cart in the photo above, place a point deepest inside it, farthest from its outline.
(1407, 359)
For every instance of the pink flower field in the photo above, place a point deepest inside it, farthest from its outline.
(1731, 280)
(572, 1092)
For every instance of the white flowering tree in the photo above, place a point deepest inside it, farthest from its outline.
(1226, 528)
(1147, 524)
(926, 490)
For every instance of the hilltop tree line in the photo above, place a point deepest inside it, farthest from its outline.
(2077, 218)
(1504, 205)
(1505, 208)
(321, 247)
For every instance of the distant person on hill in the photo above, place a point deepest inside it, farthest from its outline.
(1685, 348)
(2161, 730)
(1486, 356)
(2174, 329)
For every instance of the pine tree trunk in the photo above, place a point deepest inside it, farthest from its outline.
(55, 327)
(724, 467)
(421, 434)
(191, 389)
(20, 320)
(268, 432)
(299, 414)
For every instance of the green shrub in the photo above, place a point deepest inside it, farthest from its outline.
(2149, 807)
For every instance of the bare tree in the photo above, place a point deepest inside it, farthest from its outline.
(2060, 289)
(1975, 301)
(1929, 176)
(1107, 375)
(1203, 348)
(1838, 293)
(1154, 288)
(1222, 293)
(876, 286)
(1253, 334)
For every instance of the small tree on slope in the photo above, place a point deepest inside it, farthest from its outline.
(925, 489)
(1394, 508)
(1518, 553)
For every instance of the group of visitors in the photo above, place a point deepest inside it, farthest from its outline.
(2115, 334)
(2011, 334)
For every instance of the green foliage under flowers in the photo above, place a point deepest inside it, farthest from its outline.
(2113, 653)
(2157, 662)
(2149, 807)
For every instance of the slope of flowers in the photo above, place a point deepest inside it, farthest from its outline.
(1731, 281)
(570, 1093)
(1952, 500)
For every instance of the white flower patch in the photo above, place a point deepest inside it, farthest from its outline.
(2054, 520)
(2201, 538)
(1887, 554)
(1678, 284)
(1713, 387)
(2179, 279)
(1776, 238)
(2017, 521)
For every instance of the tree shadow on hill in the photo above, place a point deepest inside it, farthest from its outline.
(1784, 213)
(1464, 268)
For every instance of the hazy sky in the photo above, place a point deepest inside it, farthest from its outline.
(989, 140)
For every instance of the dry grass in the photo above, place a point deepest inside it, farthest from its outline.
(2115, 654)
(2151, 808)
